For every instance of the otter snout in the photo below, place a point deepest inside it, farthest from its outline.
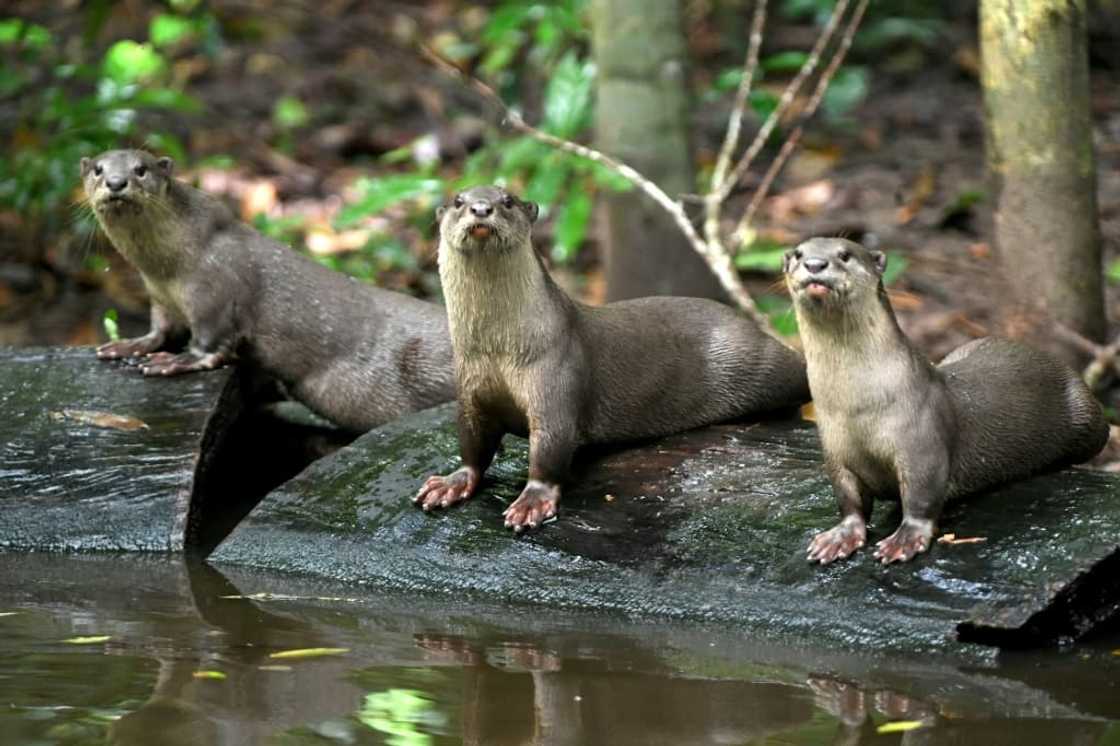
(815, 265)
(482, 209)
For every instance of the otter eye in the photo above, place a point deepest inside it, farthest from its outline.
(845, 255)
(458, 200)
(797, 254)
(507, 201)
(140, 171)
(97, 170)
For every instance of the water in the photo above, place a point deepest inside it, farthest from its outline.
(187, 661)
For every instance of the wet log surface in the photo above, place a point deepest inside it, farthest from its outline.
(95, 456)
(710, 526)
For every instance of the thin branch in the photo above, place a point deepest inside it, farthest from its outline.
(717, 259)
(724, 189)
(1103, 357)
(734, 124)
(811, 108)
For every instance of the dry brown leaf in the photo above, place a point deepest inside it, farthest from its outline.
(259, 198)
(980, 249)
(952, 539)
(923, 188)
(100, 419)
(905, 301)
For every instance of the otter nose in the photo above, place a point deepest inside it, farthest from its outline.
(815, 265)
(482, 209)
(116, 183)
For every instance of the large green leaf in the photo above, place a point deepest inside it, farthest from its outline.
(784, 61)
(129, 61)
(846, 91)
(567, 98)
(166, 29)
(378, 194)
(571, 226)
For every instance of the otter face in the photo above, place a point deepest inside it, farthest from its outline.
(486, 218)
(123, 182)
(822, 273)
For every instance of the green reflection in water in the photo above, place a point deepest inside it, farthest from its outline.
(400, 713)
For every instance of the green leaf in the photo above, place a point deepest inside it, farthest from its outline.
(378, 194)
(899, 726)
(571, 226)
(780, 312)
(785, 61)
(896, 265)
(109, 321)
(846, 91)
(128, 61)
(17, 31)
(521, 153)
(1114, 271)
(567, 98)
(768, 260)
(167, 30)
(165, 98)
(548, 179)
(762, 103)
(289, 113)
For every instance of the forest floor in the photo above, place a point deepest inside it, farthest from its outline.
(903, 171)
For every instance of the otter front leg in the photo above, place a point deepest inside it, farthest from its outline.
(923, 484)
(213, 339)
(851, 532)
(160, 329)
(550, 457)
(479, 438)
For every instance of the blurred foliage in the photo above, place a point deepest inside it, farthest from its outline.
(402, 715)
(68, 109)
(520, 43)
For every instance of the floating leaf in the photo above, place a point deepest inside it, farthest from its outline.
(215, 675)
(128, 61)
(100, 419)
(92, 640)
(109, 321)
(274, 668)
(900, 726)
(8, 613)
(301, 653)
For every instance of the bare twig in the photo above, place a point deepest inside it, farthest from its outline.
(1104, 357)
(734, 124)
(717, 259)
(744, 163)
(795, 136)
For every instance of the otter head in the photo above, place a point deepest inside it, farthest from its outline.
(830, 274)
(119, 183)
(486, 219)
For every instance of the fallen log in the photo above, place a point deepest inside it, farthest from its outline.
(709, 525)
(95, 456)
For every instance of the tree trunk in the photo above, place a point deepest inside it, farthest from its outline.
(642, 117)
(1040, 155)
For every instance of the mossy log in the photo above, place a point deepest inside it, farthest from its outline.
(97, 457)
(708, 525)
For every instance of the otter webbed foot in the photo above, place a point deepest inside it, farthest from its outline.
(445, 491)
(912, 538)
(537, 503)
(169, 364)
(839, 541)
(126, 348)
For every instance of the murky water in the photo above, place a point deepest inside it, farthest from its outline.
(137, 650)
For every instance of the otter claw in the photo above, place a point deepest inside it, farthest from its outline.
(445, 491)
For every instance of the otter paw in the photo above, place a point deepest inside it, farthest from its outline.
(168, 364)
(126, 348)
(912, 538)
(536, 504)
(838, 542)
(443, 492)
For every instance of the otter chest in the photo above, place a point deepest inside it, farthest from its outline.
(498, 387)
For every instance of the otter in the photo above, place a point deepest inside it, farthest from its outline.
(355, 354)
(894, 425)
(530, 360)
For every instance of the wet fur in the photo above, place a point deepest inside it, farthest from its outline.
(992, 412)
(355, 354)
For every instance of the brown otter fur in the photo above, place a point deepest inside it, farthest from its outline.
(893, 424)
(530, 360)
(355, 354)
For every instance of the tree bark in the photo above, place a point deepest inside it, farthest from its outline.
(1040, 156)
(642, 117)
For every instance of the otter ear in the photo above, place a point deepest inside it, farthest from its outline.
(880, 260)
(787, 259)
(532, 210)
(86, 163)
(166, 165)
(440, 212)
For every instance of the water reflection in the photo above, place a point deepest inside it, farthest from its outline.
(189, 661)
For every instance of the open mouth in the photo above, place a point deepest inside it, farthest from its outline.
(815, 288)
(480, 231)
